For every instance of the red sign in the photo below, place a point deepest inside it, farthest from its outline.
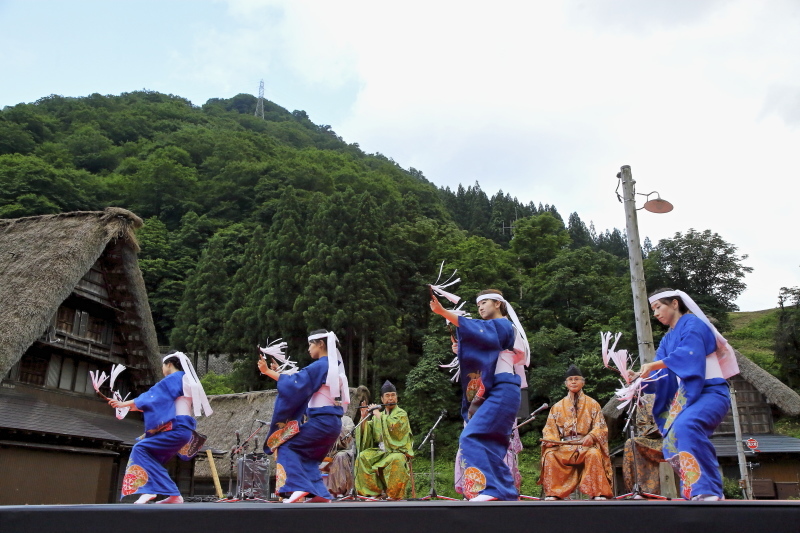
(752, 444)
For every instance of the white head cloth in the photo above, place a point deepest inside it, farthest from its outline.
(192, 386)
(513, 315)
(727, 358)
(337, 379)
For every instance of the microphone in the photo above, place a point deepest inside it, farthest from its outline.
(531, 416)
(542, 408)
(261, 422)
(236, 449)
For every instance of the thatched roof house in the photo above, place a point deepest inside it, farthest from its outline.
(72, 300)
(42, 261)
(774, 390)
(242, 413)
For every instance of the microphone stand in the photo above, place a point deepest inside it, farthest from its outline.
(240, 449)
(432, 436)
(530, 418)
(231, 456)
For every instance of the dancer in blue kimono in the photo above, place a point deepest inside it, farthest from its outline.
(692, 397)
(169, 430)
(492, 353)
(318, 392)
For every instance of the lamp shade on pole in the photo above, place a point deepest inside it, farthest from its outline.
(657, 205)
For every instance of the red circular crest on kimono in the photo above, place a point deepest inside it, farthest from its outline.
(280, 477)
(135, 477)
(475, 386)
(474, 482)
(690, 473)
(283, 433)
(186, 450)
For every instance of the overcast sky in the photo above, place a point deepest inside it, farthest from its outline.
(545, 100)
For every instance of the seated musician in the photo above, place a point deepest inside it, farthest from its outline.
(575, 445)
(384, 447)
(340, 468)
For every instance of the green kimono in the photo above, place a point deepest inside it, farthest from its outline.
(384, 446)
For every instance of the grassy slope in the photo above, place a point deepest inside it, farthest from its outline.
(753, 335)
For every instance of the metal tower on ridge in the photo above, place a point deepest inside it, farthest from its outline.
(260, 105)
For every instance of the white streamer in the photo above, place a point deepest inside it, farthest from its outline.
(277, 350)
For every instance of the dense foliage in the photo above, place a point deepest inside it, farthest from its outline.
(703, 265)
(787, 335)
(270, 228)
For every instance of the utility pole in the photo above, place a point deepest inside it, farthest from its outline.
(641, 307)
(737, 432)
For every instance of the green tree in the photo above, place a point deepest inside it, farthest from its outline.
(164, 272)
(787, 335)
(703, 265)
(163, 185)
(348, 276)
(280, 272)
(428, 390)
(14, 139)
(579, 234)
(30, 186)
(538, 239)
(201, 316)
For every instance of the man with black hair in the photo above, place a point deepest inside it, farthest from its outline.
(575, 445)
(385, 446)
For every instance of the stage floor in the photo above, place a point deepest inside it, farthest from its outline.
(674, 516)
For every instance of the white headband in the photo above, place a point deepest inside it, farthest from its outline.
(337, 379)
(723, 348)
(514, 319)
(192, 383)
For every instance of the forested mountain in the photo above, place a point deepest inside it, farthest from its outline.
(260, 228)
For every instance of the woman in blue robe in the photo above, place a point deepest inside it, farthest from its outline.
(169, 428)
(316, 393)
(491, 352)
(691, 396)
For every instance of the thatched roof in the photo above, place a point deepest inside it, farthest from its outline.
(43, 258)
(240, 412)
(773, 389)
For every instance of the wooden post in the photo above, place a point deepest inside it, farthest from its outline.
(641, 307)
(214, 474)
(737, 431)
(666, 474)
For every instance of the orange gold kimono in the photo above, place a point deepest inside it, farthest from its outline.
(567, 466)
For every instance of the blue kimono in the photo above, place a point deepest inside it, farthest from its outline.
(301, 447)
(688, 407)
(165, 435)
(489, 407)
